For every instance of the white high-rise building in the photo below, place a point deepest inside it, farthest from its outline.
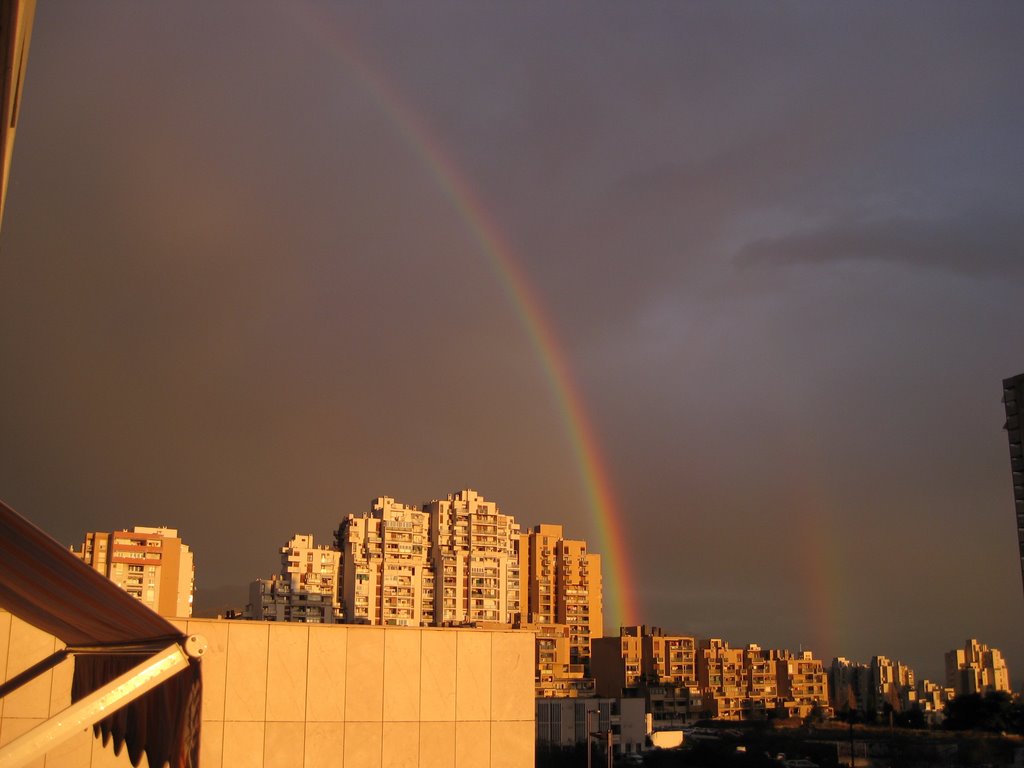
(475, 552)
(386, 574)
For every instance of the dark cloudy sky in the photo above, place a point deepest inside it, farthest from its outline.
(781, 246)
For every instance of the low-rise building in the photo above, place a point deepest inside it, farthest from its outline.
(720, 679)
(566, 722)
(803, 684)
(557, 676)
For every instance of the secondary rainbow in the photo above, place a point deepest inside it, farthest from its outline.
(621, 606)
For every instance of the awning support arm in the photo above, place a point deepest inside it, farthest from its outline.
(33, 672)
(101, 703)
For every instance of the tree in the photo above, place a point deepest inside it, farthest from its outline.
(996, 712)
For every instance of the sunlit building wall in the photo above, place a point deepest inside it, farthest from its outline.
(760, 683)
(305, 589)
(150, 564)
(721, 679)
(892, 683)
(460, 561)
(557, 676)
(651, 665)
(475, 553)
(314, 695)
(387, 576)
(564, 587)
(617, 662)
(976, 668)
(669, 659)
(932, 699)
(803, 684)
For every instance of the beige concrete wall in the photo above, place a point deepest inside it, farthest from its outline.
(306, 696)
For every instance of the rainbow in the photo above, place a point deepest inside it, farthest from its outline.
(620, 599)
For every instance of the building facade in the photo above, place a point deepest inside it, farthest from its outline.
(976, 668)
(683, 679)
(150, 564)
(461, 561)
(565, 723)
(803, 684)
(305, 590)
(476, 560)
(313, 695)
(564, 587)
(557, 676)
(386, 574)
(720, 678)
(1013, 402)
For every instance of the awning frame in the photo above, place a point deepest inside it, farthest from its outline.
(158, 667)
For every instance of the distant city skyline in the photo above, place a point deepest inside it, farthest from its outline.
(727, 291)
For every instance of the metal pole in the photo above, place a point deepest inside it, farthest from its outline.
(94, 707)
(590, 749)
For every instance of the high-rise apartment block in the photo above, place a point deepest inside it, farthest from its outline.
(150, 564)
(476, 559)
(386, 574)
(976, 668)
(453, 562)
(564, 587)
(461, 561)
(1013, 402)
(305, 590)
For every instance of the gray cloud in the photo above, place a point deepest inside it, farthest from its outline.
(969, 244)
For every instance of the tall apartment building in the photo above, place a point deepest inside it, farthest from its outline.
(1013, 402)
(476, 561)
(305, 589)
(387, 576)
(976, 668)
(563, 587)
(150, 564)
(461, 561)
